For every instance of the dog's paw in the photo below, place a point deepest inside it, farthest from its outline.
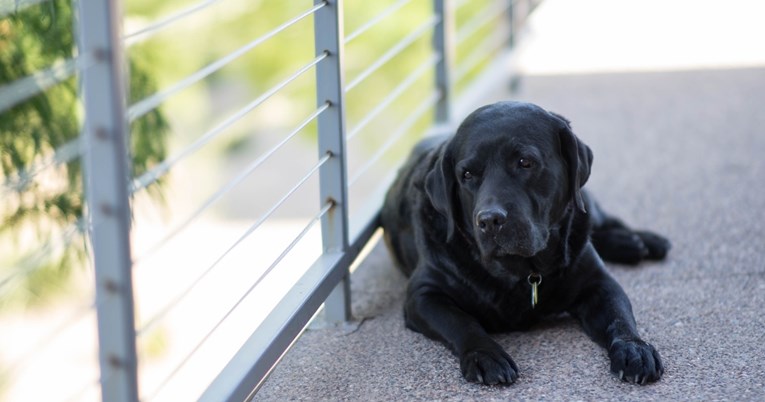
(620, 245)
(490, 366)
(635, 361)
(657, 245)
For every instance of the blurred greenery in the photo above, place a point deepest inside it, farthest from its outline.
(154, 344)
(50, 202)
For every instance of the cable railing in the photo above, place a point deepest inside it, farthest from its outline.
(327, 207)
(394, 51)
(396, 136)
(161, 169)
(375, 21)
(144, 106)
(69, 321)
(13, 93)
(15, 6)
(394, 94)
(481, 20)
(34, 262)
(208, 203)
(63, 154)
(481, 52)
(418, 95)
(163, 312)
(148, 31)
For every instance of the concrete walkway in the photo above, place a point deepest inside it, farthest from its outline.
(680, 151)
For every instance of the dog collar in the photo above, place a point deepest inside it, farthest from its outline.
(534, 279)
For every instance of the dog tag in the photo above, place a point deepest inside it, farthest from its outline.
(534, 280)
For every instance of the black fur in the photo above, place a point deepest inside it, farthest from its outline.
(472, 216)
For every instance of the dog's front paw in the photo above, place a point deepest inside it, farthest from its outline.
(635, 361)
(658, 246)
(488, 366)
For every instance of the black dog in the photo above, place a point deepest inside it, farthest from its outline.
(493, 229)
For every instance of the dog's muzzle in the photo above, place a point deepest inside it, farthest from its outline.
(498, 235)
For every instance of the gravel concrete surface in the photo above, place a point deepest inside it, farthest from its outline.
(681, 153)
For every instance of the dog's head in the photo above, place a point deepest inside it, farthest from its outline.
(507, 177)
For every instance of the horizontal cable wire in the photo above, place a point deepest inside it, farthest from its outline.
(165, 310)
(394, 51)
(396, 136)
(150, 103)
(231, 184)
(276, 262)
(162, 168)
(481, 52)
(459, 3)
(14, 6)
(146, 32)
(41, 344)
(480, 20)
(394, 94)
(34, 263)
(374, 21)
(15, 92)
(63, 154)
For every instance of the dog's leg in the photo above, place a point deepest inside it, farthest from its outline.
(605, 313)
(616, 242)
(482, 360)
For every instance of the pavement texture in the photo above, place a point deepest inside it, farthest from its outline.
(680, 152)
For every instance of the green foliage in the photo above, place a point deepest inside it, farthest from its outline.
(39, 194)
(38, 285)
(33, 130)
(148, 134)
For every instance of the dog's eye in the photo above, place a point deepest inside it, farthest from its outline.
(525, 163)
(466, 175)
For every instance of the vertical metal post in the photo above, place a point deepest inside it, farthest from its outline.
(328, 37)
(443, 44)
(105, 165)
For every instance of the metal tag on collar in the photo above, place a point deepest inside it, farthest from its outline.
(534, 279)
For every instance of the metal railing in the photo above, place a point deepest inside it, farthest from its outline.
(445, 51)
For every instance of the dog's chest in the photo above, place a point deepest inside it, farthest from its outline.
(511, 309)
(505, 307)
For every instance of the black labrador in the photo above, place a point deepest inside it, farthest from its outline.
(494, 231)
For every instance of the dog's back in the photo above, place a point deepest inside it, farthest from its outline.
(401, 198)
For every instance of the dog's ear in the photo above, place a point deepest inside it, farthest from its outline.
(578, 157)
(440, 188)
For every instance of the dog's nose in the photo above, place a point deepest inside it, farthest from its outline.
(490, 220)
